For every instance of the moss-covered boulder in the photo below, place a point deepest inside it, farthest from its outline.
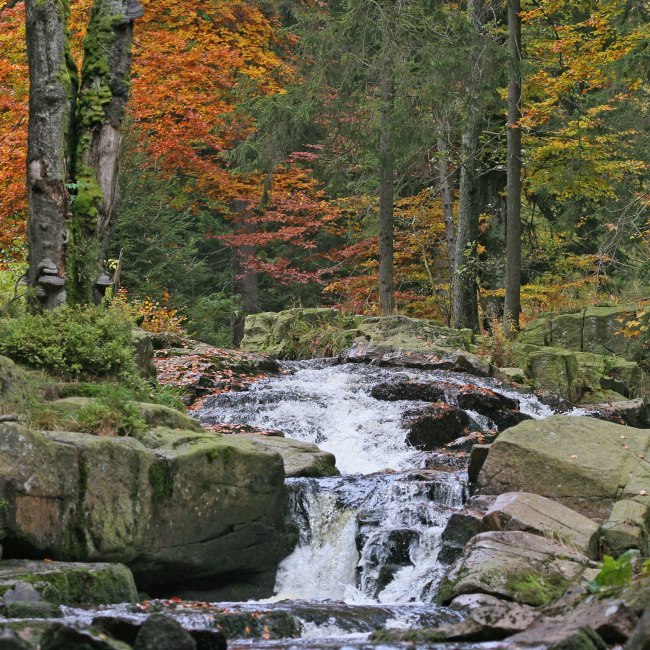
(15, 386)
(184, 505)
(514, 565)
(64, 583)
(555, 370)
(599, 330)
(586, 464)
(413, 334)
(153, 415)
(299, 333)
(301, 459)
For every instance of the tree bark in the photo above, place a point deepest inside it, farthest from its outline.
(51, 109)
(386, 168)
(464, 302)
(447, 205)
(74, 142)
(245, 281)
(512, 305)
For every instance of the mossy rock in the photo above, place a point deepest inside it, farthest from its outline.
(153, 415)
(16, 387)
(69, 583)
(193, 505)
(554, 370)
(514, 565)
(299, 333)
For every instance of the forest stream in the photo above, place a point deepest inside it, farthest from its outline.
(367, 556)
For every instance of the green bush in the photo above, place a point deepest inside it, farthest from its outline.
(73, 342)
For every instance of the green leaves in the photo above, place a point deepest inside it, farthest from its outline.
(614, 573)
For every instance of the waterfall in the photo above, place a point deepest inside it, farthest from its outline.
(371, 535)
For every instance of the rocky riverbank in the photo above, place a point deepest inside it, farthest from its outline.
(201, 512)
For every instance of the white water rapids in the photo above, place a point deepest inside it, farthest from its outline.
(373, 534)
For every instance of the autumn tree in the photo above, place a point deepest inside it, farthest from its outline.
(75, 127)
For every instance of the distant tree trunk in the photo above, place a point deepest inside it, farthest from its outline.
(73, 145)
(447, 204)
(245, 281)
(386, 169)
(464, 301)
(512, 305)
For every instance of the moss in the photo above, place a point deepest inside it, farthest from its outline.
(161, 480)
(447, 587)
(536, 590)
(85, 586)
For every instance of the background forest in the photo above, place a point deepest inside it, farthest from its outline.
(265, 138)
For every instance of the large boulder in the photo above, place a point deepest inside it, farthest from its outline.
(514, 565)
(299, 333)
(413, 334)
(595, 329)
(188, 505)
(586, 464)
(536, 514)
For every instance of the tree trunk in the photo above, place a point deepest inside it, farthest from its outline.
(464, 302)
(386, 168)
(447, 205)
(512, 305)
(53, 86)
(69, 231)
(245, 281)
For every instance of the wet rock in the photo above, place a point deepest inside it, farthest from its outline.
(460, 528)
(477, 458)
(586, 464)
(408, 390)
(58, 636)
(514, 565)
(504, 419)
(301, 459)
(536, 514)
(633, 413)
(160, 632)
(269, 625)
(435, 426)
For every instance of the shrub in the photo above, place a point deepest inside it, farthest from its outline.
(74, 342)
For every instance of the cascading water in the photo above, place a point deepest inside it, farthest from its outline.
(369, 538)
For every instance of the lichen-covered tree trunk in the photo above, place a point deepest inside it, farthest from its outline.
(73, 148)
(53, 87)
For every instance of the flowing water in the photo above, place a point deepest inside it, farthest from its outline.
(369, 539)
(367, 556)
